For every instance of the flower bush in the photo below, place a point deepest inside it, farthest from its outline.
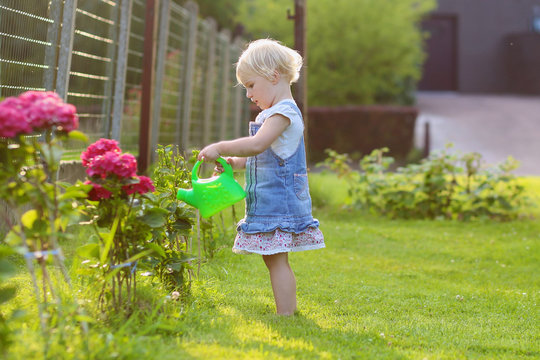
(32, 129)
(123, 221)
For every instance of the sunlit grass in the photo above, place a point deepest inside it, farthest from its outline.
(382, 289)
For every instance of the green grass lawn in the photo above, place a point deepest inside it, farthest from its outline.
(382, 289)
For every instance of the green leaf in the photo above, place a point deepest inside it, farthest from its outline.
(130, 260)
(6, 294)
(150, 196)
(29, 218)
(88, 251)
(74, 192)
(52, 154)
(6, 269)
(108, 239)
(12, 238)
(155, 217)
(6, 251)
(158, 249)
(78, 135)
(182, 224)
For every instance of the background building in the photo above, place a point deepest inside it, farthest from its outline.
(483, 46)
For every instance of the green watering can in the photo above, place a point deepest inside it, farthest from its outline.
(214, 194)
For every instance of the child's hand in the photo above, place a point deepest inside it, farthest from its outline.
(218, 169)
(235, 162)
(209, 153)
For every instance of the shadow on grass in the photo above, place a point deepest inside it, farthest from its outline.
(250, 307)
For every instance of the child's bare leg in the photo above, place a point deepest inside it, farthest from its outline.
(283, 282)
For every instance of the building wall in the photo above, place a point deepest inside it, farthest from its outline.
(482, 28)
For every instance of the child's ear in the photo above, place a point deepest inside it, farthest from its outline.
(276, 77)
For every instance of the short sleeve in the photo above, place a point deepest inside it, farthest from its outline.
(287, 143)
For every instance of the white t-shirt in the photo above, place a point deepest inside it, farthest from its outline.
(287, 143)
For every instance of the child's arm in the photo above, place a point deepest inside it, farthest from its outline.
(270, 130)
(236, 162)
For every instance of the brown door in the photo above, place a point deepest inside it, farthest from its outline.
(440, 67)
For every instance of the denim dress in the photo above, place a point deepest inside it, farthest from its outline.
(278, 204)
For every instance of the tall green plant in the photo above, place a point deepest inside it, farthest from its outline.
(33, 127)
(173, 260)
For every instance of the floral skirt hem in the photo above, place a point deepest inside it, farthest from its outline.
(278, 241)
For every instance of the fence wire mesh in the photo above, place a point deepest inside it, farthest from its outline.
(196, 102)
(23, 46)
(172, 89)
(91, 73)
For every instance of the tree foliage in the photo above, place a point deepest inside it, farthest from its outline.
(223, 11)
(359, 51)
(263, 19)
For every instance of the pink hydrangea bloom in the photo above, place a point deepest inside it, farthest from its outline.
(41, 114)
(100, 147)
(12, 119)
(124, 166)
(31, 97)
(36, 111)
(142, 187)
(98, 192)
(44, 109)
(66, 118)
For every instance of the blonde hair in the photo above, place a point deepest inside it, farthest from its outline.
(265, 56)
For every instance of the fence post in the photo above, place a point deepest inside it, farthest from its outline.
(121, 68)
(147, 84)
(225, 86)
(238, 100)
(210, 79)
(427, 140)
(300, 44)
(193, 10)
(163, 35)
(66, 46)
(51, 51)
(109, 73)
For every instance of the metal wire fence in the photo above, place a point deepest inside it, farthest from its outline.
(91, 53)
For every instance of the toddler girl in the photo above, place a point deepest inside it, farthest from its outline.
(278, 205)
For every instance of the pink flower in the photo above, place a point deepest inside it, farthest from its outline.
(100, 147)
(124, 166)
(44, 109)
(66, 118)
(31, 97)
(142, 187)
(12, 120)
(41, 114)
(98, 192)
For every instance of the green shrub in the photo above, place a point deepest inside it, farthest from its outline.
(442, 186)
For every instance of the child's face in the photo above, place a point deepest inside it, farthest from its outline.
(260, 90)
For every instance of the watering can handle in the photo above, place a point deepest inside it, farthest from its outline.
(228, 168)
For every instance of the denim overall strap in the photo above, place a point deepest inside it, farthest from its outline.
(277, 190)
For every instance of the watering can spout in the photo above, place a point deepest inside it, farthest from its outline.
(186, 196)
